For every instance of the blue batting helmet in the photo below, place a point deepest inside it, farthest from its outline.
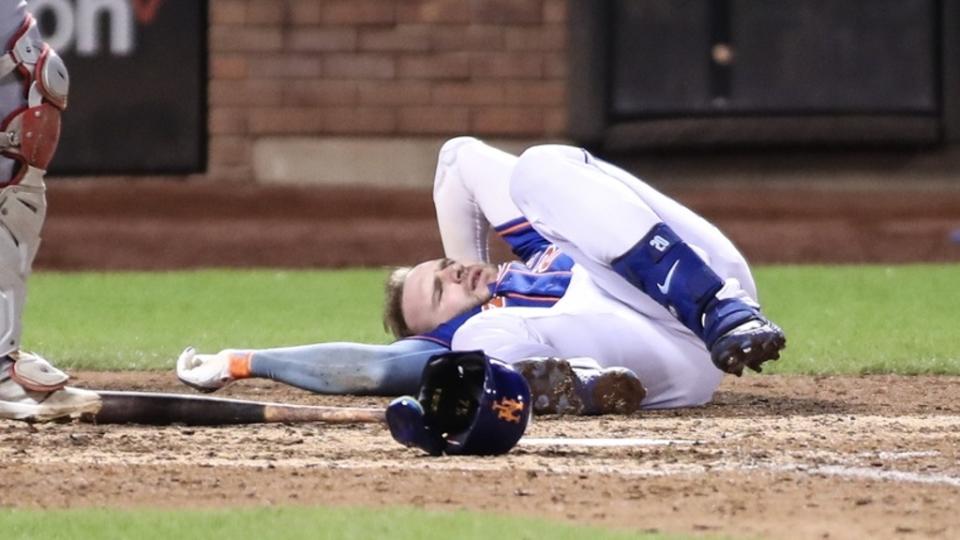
(469, 403)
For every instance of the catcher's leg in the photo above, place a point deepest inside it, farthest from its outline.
(33, 86)
(607, 223)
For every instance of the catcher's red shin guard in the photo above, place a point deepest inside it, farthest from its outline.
(30, 134)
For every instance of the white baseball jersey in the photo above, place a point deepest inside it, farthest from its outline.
(566, 214)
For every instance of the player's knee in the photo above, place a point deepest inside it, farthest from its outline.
(540, 156)
(452, 147)
(535, 173)
(528, 175)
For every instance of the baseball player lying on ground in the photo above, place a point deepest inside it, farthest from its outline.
(618, 284)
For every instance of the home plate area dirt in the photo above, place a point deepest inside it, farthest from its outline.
(771, 457)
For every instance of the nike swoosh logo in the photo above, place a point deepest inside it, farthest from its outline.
(665, 286)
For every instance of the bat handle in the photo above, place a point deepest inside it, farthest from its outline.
(329, 415)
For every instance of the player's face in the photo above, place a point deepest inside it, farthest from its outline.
(436, 291)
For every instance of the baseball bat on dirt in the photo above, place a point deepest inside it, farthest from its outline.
(157, 409)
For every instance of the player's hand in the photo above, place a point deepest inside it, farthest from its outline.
(205, 372)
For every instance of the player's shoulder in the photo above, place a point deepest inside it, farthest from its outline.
(498, 319)
(498, 330)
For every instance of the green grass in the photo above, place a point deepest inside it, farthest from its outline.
(839, 319)
(865, 319)
(289, 524)
(136, 320)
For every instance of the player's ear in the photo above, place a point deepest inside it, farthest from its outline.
(393, 319)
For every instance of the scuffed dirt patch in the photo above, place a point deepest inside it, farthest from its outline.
(772, 457)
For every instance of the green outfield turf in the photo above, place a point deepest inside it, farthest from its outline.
(142, 320)
(289, 524)
(839, 319)
(865, 319)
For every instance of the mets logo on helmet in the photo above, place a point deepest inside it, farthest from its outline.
(508, 409)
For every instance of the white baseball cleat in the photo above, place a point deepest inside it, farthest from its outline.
(31, 389)
(211, 372)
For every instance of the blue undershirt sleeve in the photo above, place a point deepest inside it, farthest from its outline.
(348, 368)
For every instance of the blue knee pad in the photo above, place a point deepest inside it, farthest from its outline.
(664, 267)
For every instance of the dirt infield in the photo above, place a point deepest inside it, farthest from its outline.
(772, 457)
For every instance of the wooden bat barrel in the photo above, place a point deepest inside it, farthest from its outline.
(159, 409)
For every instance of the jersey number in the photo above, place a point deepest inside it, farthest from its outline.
(660, 243)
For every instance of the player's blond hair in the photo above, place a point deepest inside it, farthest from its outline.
(393, 320)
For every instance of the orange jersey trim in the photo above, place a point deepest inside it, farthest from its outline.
(515, 228)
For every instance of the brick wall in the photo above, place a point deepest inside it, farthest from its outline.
(382, 68)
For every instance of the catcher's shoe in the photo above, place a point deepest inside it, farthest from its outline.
(739, 336)
(580, 386)
(33, 390)
(211, 372)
